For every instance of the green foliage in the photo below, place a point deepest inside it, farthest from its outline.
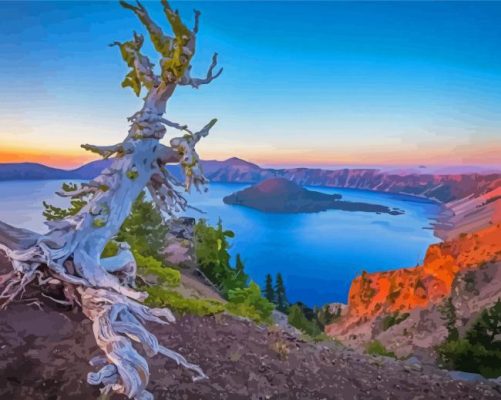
(248, 302)
(132, 174)
(175, 58)
(144, 229)
(110, 250)
(311, 321)
(448, 312)
(280, 296)
(98, 222)
(394, 319)
(269, 292)
(324, 316)
(298, 319)
(470, 284)
(211, 247)
(148, 266)
(159, 296)
(377, 348)
(131, 52)
(367, 292)
(53, 213)
(480, 350)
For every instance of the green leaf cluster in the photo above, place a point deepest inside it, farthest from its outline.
(53, 213)
(175, 56)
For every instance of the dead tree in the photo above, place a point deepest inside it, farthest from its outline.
(69, 255)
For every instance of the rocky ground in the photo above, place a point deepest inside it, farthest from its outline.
(44, 354)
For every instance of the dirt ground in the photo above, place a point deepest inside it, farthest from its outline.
(44, 355)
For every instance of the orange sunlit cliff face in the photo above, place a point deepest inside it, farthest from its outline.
(473, 241)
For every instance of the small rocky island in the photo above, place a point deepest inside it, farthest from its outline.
(281, 195)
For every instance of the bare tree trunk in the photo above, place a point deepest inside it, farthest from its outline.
(70, 253)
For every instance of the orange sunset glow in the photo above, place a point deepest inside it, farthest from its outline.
(486, 154)
(52, 157)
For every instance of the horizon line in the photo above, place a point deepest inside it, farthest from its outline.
(290, 165)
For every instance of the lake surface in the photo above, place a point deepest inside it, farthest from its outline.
(318, 254)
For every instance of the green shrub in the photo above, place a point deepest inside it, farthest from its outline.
(211, 247)
(159, 296)
(297, 319)
(480, 350)
(367, 292)
(325, 317)
(147, 266)
(470, 283)
(110, 250)
(448, 312)
(394, 319)
(248, 302)
(377, 348)
(144, 229)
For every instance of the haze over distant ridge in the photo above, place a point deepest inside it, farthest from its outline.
(441, 187)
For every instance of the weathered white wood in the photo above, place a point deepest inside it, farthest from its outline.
(70, 253)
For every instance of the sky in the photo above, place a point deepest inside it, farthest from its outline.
(304, 83)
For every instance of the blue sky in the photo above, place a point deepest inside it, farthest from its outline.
(304, 83)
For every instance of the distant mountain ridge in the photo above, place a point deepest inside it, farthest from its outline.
(35, 171)
(439, 187)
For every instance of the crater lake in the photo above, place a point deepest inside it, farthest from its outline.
(318, 254)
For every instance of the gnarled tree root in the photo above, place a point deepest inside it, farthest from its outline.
(118, 321)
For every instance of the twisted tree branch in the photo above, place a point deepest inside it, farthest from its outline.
(187, 80)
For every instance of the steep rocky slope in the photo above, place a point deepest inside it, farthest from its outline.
(472, 252)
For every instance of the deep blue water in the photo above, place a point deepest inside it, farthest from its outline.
(318, 254)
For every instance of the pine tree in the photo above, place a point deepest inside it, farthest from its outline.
(240, 277)
(280, 296)
(269, 292)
